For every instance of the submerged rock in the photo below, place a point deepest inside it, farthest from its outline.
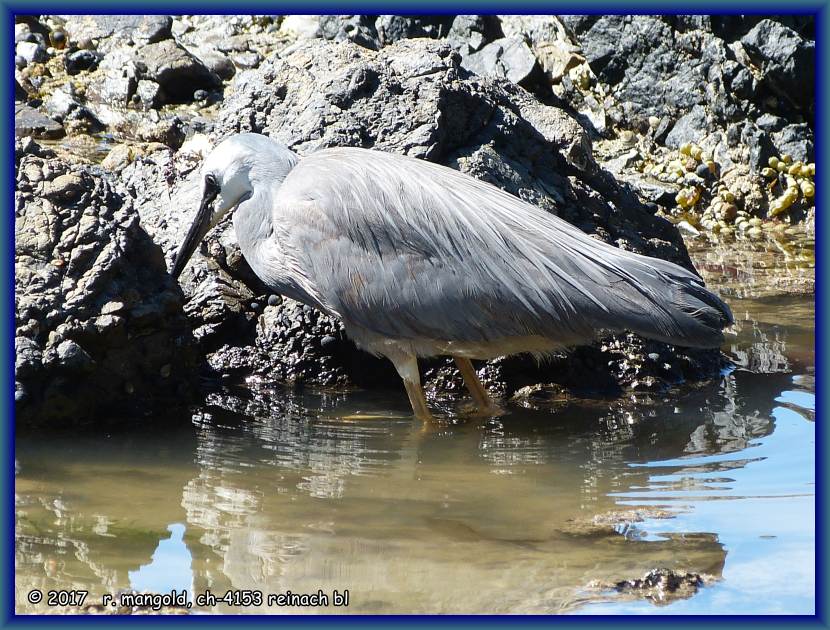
(100, 331)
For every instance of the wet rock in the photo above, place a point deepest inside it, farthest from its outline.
(507, 58)
(178, 72)
(662, 586)
(30, 122)
(19, 92)
(79, 248)
(786, 60)
(359, 29)
(112, 30)
(82, 61)
(759, 144)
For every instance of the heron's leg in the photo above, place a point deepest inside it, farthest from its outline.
(477, 390)
(407, 367)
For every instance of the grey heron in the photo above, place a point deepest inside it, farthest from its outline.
(420, 260)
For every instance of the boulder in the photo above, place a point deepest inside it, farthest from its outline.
(178, 73)
(100, 331)
(787, 61)
(30, 122)
(111, 31)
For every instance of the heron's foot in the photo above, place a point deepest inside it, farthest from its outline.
(418, 401)
(482, 400)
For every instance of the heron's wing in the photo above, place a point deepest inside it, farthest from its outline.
(410, 249)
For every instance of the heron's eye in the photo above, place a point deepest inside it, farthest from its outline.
(210, 181)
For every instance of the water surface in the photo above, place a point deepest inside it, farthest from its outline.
(543, 510)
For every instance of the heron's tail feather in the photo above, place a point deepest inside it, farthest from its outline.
(683, 311)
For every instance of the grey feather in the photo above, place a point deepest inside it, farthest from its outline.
(408, 249)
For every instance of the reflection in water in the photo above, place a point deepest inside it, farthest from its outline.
(525, 513)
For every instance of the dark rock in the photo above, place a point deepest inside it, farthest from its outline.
(359, 29)
(664, 67)
(770, 123)
(759, 144)
(19, 92)
(96, 313)
(787, 61)
(30, 122)
(507, 58)
(692, 127)
(662, 586)
(797, 140)
(470, 33)
(82, 61)
(178, 72)
(393, 28)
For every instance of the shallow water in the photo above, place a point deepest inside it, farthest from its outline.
(539, 511)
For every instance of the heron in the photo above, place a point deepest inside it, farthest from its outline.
(420, 260)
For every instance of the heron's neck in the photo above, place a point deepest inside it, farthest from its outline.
(254, 228)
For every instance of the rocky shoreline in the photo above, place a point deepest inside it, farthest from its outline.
(632, 128)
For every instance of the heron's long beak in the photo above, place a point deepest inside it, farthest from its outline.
(200, 227)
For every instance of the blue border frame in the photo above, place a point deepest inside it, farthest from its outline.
(7, 11)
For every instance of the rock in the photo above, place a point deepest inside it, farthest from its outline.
(81, 61)
(770, 122)
(112, 31)
(393, 28)
(148, 93)
(217, 62)
(30, 122)
(548, 38)
(662, 586)
(118, 157)
(178, 72)
(786, 60)
(470, 33)
(759, 145)
(359, 29)
(651, 69)
(67, 110)
(78, 248)
(692, 127)
(168, 131)
(31, 52)
(304, 26)
(797, 140)
(507, 58)
(19, 92)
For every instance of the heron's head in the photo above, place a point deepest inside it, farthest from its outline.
(229, 177)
